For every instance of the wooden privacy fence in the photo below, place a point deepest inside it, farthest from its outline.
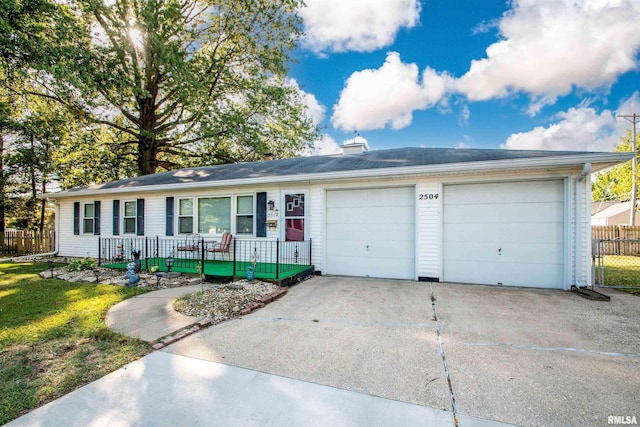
(615, 239)
(27, 242)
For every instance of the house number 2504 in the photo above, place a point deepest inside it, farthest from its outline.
(428, 196)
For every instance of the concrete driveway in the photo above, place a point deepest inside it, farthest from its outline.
(521, 356)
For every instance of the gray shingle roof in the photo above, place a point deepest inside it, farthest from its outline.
(369, 160)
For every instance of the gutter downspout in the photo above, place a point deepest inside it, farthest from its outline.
(586, 170)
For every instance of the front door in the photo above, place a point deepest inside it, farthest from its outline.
(294, 216)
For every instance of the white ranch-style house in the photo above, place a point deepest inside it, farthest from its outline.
(497, 217)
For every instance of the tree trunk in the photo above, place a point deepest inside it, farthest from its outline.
(2, 189)
(43, 207)
(147, 156)
(34, 189)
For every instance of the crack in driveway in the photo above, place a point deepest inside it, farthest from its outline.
(444, 357)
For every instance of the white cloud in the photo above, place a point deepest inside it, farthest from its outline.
(548, 47)
(582, 129)
(465, 143)
(316, 113)
(465, 115)
(315, 110)
(356, 25)
(372, 99)
(324, 146)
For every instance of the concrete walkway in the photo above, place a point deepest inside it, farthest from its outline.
(162, 389)
(151, 316)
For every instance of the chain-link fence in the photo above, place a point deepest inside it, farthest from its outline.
(617, 263)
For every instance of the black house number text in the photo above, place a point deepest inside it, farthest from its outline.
(428, 196)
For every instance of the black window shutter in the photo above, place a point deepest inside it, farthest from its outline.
(261, 215)
(169, 217)
(116, 217)
(96, 217)
(140, 212)
(76, 218)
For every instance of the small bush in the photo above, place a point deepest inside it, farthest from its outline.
(82, 264)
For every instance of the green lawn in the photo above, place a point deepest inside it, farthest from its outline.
(621, 271)
(53, 338)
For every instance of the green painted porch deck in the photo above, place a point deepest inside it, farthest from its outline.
(221, 269)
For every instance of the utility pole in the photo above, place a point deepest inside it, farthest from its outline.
(634, 180)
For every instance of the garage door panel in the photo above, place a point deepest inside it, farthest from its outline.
(460, 233)
(465, 271)
(376, 197)
(513, 233)
(387, 250)
(522, 274)
(478, 251)
(531, 212)
(465, 214)
(504, 193)
(529, 233)
(352, 266)
(543, 254)
(370, 215)
(364, 233)
(532, 275)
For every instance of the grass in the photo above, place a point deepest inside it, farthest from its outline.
(53, 338)
(621, 271)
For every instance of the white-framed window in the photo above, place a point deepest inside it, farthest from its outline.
(129, 218)
(214, 215)
(88, 215)
(244, 214)
(185, 216)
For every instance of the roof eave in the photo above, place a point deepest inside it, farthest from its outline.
(598, 161)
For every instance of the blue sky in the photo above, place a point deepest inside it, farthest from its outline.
(521, 74)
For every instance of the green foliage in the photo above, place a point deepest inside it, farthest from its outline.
(53, 338)
(82, 264)
(183, 83)
(614, 184)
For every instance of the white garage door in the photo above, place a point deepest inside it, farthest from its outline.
(504, 233)
(371, 233)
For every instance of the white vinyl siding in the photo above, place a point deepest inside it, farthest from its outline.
(428, 228)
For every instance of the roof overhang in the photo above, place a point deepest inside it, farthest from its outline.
(599, 161)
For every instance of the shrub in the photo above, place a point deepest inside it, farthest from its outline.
(82, 264)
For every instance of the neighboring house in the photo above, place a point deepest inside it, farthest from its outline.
(505, 217)
(612, 213)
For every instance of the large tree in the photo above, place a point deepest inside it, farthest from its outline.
(615, 183)
(183, 82)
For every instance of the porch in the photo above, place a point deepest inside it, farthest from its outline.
(273, 260)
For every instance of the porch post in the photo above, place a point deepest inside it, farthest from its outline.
(146, 253)
(234, 257)
(202, 255)
(277, 258)
(99, 251)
